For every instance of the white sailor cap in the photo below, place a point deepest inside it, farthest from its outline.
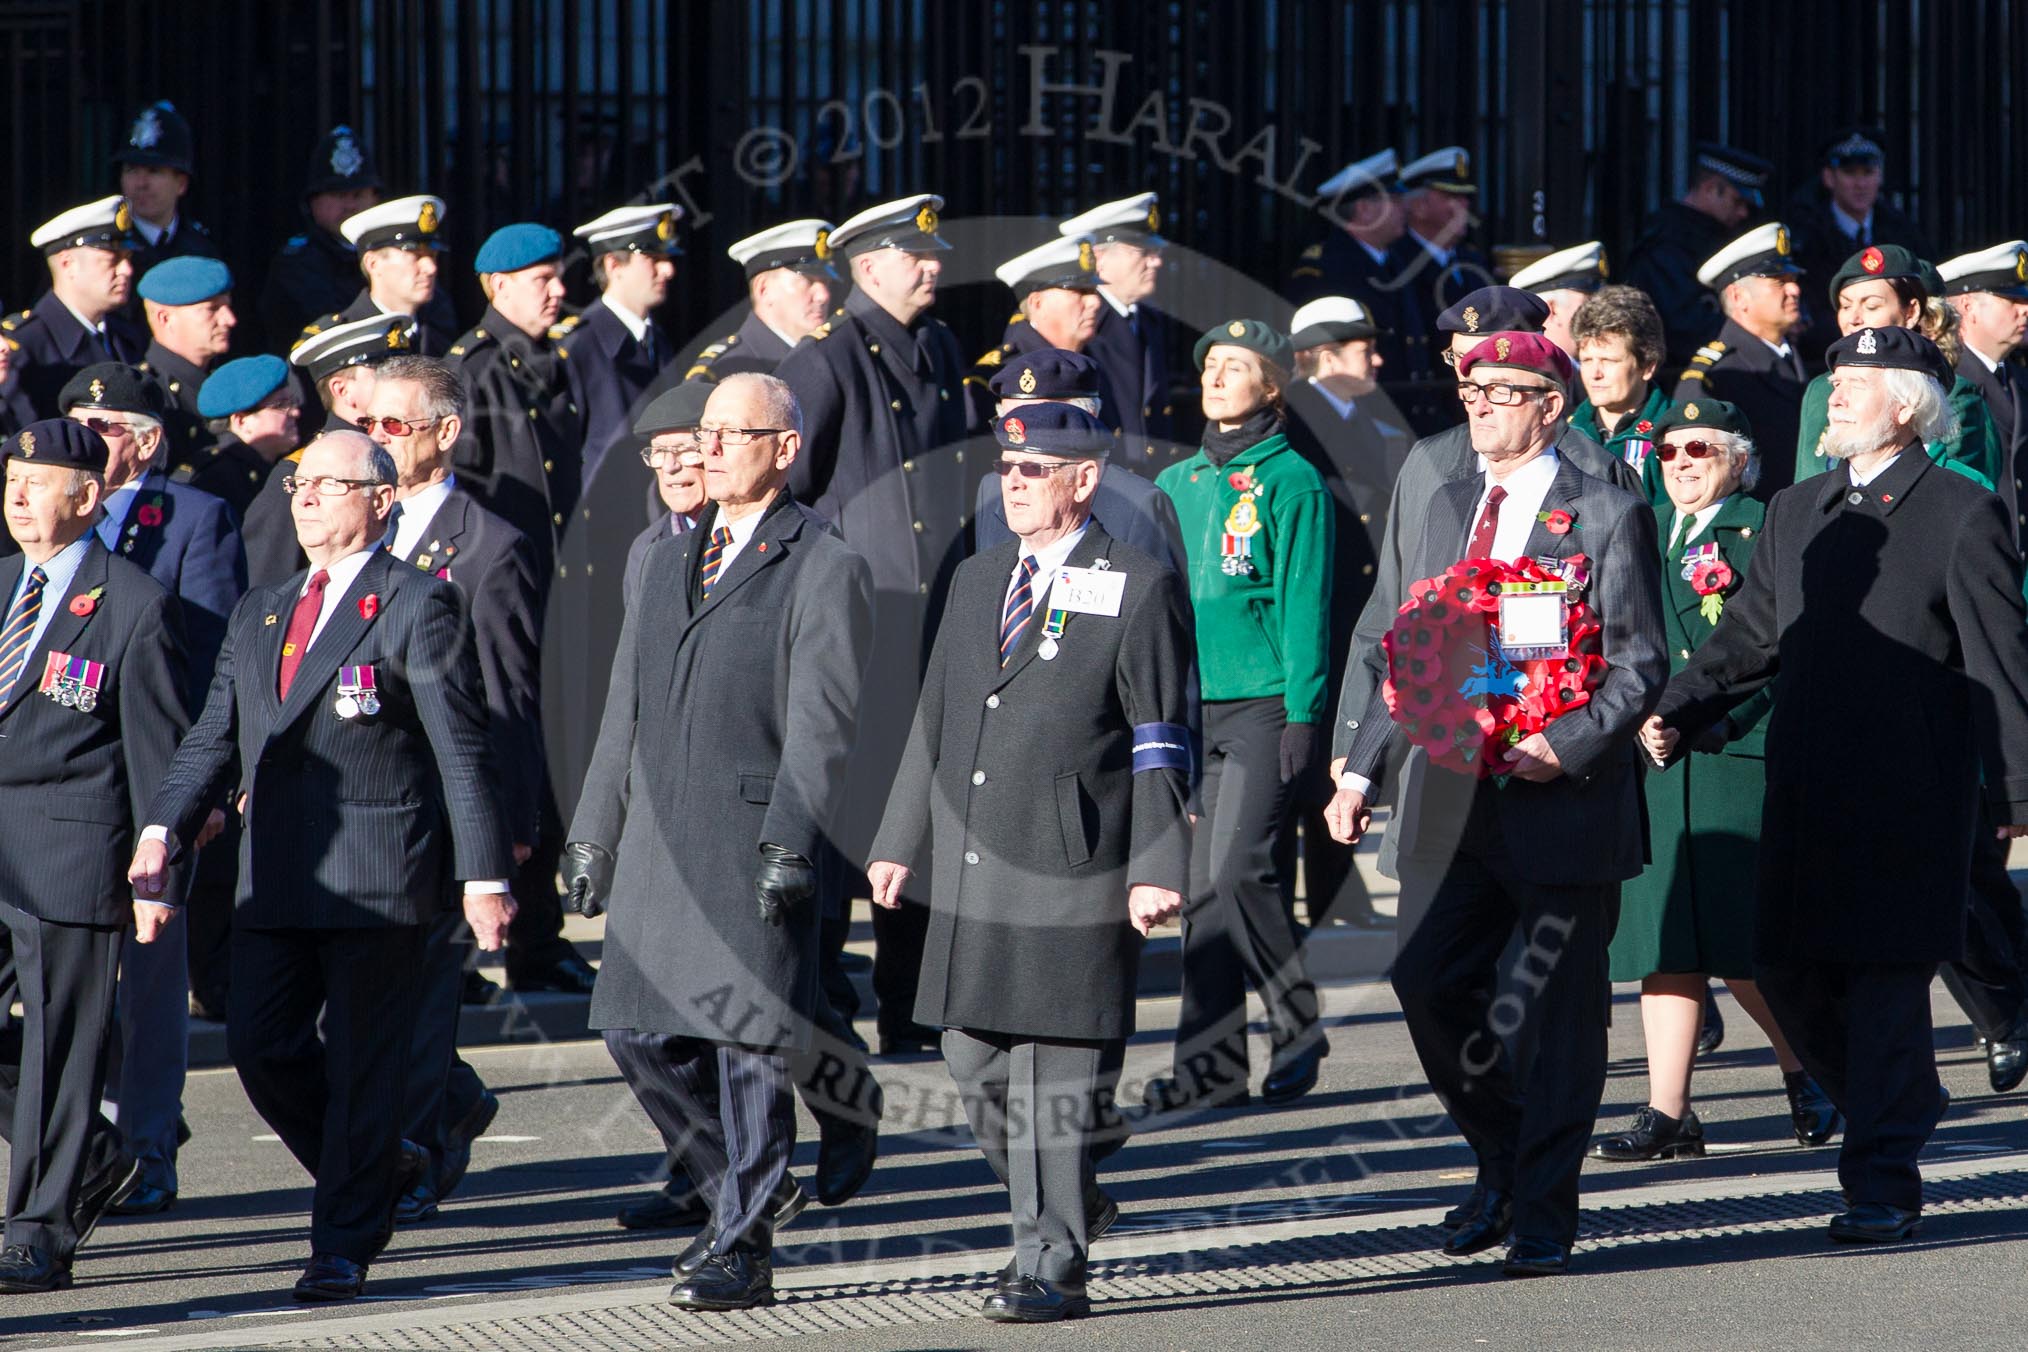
(908, 223)
(1375, 173)
(2002, 270)
(1582, 267)
(1131, 220)
(802, 246)
(1330, 319)
(1065, 262)
(405, 223)
(105, 224)
(1763, 251)
(374, 339)
(643, 229)
(1447, 170)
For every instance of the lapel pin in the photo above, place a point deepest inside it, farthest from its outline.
(761, 548)
(270, 620)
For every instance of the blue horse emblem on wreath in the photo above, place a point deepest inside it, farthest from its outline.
(1495, 676)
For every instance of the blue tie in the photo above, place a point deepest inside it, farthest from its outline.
(1020, 607)
(14, 639)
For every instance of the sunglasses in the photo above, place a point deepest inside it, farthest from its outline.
(109, 427)
(1696, 450)
(397, 427)
(1027, 469)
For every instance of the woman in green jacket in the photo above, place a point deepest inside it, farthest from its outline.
(1689, 916)
(1257, 526)
(1618, 335)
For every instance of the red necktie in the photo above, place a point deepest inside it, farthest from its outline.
(302, 624)
(1481, 544)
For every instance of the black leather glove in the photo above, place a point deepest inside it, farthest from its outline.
(1299, 747)
(1714, 738)
(587, 878)
(784, 881)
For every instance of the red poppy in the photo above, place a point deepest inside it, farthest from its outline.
(1644, 427)
(1558, 521)
(149, 514)
(1240, 480)
(82, 605)
(369, 606)
(1711, 577)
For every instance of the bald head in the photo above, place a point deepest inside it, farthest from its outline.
(344, 489)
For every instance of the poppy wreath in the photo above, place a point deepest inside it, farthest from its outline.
(1441, 685)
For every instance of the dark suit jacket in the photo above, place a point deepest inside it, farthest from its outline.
(608, 369)
(524, 436)
(727, 726)
(1741, 369)
(268, 529)
(349, 822)
(1136, 372)
(662, 528)
(2003, 395)
(1587, 826)
(1892, 631)
(51, 347)
(75, 785)
(435, 323)
(1022, 778)
(193, 550)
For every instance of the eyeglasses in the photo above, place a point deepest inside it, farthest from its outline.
(655, 457)
(1450, 357)
(735, 437)
(397, 427)
(1501, 394)
(327, 485)
(109, 427)
(1696, 450)
(1028, 469)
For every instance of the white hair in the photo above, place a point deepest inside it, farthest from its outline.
(1929, 407)
(1739, 451)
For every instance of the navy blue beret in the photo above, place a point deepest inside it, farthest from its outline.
(185, 280)
(115, 387)
(1496, 309)
(59, 441)
(514, 247)
(1047, 373)
(1063, 430)
(240, 385)
(1893, 348)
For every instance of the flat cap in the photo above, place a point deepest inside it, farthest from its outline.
(802, 246)
(1330, 319)
(1581, 267)
(1255, 335)
(1062, 430)
(647, 229)
(1894, 349)
(240, 385)
(1130, 220)
(185, 280)
(1520, 351)
(1495, 309)
(521, 245)
(1712, 414)
(676, 409)
(1047, 373)
(114, 387)
(58, 441)
(1764, 251)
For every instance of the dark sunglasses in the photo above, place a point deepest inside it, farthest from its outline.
(1027, 469)
(1696, 450)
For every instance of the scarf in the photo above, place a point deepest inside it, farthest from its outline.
(1221, 446)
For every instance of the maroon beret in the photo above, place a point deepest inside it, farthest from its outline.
(1522, 352)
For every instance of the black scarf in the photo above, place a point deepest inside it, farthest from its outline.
(1221, 446)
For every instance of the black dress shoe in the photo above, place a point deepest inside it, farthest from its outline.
(1811, 1113)
(741, 1278)
(329, 1277)
(478, 990)
(2007, 1060)
(458, 1142)
(1295, 1075)
(673, 1206)
(1031, 1300)
(1463, 1211)
(25, 1268)
(789, 1200)
(1711, 1036)
(845, 1155)
(1654, 1136)
(1164, 1094)
(145, 1200)
(1485, 1227)
(693, 1255)
(1100, 1211)
(1536, 1258)
(1875, 1223)
(410, 1169)
(568, 975)
(910, 1039)
(100, 1191)
(418, 1204)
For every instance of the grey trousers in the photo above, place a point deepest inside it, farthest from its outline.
(1031, 1106)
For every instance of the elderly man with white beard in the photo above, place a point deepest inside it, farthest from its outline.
(1884, 607)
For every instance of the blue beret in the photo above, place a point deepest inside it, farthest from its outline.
(1047, 373)
(240, 385)
(1496, 309)
(514, 247)
(1063, 430)
(1894, 348)
(59, 441)
(185, 280)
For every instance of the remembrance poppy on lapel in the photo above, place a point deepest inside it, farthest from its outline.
(369, 606)
(83, 605)
(1240, 480)
(149, 514)
(1558, 522)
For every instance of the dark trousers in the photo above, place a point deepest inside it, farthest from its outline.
(441, 1087)
(53, 1070)
(1033, 1108)
(1988, 982)
(535, 936)
(729, 1115)
(1235, 929)
(335, 1100)
(1863, 1030)
(1528, 1125)
(207, 916)
(897, 962)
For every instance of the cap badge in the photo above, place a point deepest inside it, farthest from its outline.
(2021, 265)
(926, 219)
(147, 130)
(426, 219)
(1868, 344)
(1602, 270)
(1027, 380)
(1463, 167)
(1084, 259)
(1690, 412)
(1782, 240)
(1873, 260)
(1500, 347)
(123, 219)
(1016, 430)
(345, 157)
(1154, 217)
(397, 337)
(665, 226)
(1236, 328)
(98, 390)
(823, 245)
(1471, 318)
(28, 444)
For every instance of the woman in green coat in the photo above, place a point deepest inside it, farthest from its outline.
(1618, 335)
(1689, 916)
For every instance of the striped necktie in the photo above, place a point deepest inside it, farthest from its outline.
(714, 554)
(14, 640)
(1020, 606)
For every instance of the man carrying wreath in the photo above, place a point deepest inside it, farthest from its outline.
(1545, 841)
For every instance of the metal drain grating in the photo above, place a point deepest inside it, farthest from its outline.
(1318, 1261)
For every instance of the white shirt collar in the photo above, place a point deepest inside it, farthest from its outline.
(1851, 226)
(87, 324)
(1377, 255)
(1526, 488)
(153, 233)
(786, 339)
(1779, 349)
(1442, 256)
(1125, 310)
(343, 573)
(1990, 364)
(637, 325)
(1681, 534)
(418, 510)
(1343, 407)
(1860, 481)
(1048, 559)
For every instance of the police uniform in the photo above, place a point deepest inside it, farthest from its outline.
(1764, 382)
(181, 281)
(1826, 237)
(1133, 342)
(161, 137)
(1065, 263)
(2001, 271)
(1677, 239)
(49, 343)
(520, 456)
(611, 363)
(317, 272)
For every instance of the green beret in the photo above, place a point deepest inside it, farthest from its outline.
(1884, 263)
(1713, 415)
(1253, 334)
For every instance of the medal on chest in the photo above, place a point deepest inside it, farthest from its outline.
(357, 693)
(1698, 554)
(1242, 524)
(73, 682)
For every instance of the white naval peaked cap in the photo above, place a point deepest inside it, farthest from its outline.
(1330, 319)
(1131, 220)
(908, 223)
(404, 223)
(803, 245)
(1373, 173)
(1447, 170)
(1581, 267)
(633, 229)
(2002, 270)
(1763, 251)
(1065, 262)
(106, 222)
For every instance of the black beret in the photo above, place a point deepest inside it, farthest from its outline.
(1253, 334)
(1711, 414)
(1047, 373)
(58, 441)
(1496, 309)
(675, 409)
(1885, 263)
(1063, 430)
(113, 386)
(1895, 349)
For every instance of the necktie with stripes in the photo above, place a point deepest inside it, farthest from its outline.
(714, 554)
(1020, 606)
(14, 640)
(1481, 545)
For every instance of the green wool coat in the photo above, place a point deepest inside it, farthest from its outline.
(1691, 909)
(1634, 442)
(1974, 452)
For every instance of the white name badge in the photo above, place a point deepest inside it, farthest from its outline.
(1088, 591)
(1535, 619)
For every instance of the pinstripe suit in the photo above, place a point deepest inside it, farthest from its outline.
(1494, 853)
(356, 833)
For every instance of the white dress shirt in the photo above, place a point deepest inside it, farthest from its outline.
(1048, 559)
(1125, 310)
(1861, 480)
(742, 531)
(1854, 230)
(1698, 521)
(418, 510)
(1779, 349)
(637, 325)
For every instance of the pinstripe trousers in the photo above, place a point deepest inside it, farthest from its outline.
(730, 1115)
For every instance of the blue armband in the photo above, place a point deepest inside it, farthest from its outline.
(1161, 746)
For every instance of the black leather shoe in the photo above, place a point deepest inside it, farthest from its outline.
(25, 1269)
(1536, 1258)
(478, 990)
(1654, 1136)
(1875, 1223)
(1100, 1211)
(910, 1039)
(329, 1277)
(1711, 1036)
(418, 1204)
(1164, 1094)
(2007, 1060)
(409, 1171)
(1813, 1116)
(1296, 1075)
(739, 1279)
(568, 975)
(694, 1254)
(1031, 1300)
(1458, 1214)
(673, 1206)
(789, 1199)
(98, 1192)
(845, 1155)
(1484, 1227)
(145, 1200)
(458, 1142)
